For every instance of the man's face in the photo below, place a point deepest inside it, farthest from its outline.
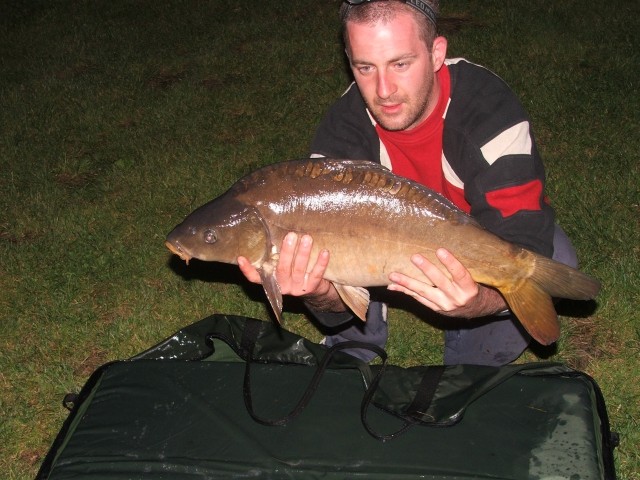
(394, 71)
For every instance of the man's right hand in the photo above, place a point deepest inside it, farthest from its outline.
(298, 276)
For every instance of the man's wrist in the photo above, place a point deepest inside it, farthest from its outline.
(324, 304)
(325, 300)
(493, 302)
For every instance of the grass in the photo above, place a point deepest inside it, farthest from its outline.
(119, 118)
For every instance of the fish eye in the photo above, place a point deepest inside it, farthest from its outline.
(210, 236)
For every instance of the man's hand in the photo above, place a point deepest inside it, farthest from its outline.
(298, 276)
(457, 296)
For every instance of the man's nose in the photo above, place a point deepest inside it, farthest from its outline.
(385, 85)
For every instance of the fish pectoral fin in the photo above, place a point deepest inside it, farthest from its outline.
(272, 289)
(356, 298)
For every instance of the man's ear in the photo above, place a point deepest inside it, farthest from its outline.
(438, 52)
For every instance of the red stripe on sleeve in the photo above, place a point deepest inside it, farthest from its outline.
(514, 199)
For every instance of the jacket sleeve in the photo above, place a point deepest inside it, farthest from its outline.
(508, 199)
(489, 143)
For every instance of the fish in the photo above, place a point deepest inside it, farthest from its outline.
(371, 221)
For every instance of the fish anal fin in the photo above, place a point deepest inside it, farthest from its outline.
(535, 311)
(272, 289)
(356, 298)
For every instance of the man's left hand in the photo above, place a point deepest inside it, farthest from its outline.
(454, 293)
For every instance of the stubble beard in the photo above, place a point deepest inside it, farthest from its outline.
(412, 117)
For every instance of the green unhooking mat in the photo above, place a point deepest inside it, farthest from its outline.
(232, 397)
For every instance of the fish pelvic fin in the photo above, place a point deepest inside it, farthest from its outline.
(274, 295)
(532, 299)
(356, 298)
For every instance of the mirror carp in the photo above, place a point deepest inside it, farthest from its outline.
(372, 222)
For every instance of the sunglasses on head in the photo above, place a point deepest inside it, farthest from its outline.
(424, 7)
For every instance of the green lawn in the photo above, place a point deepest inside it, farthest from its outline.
(118, 118)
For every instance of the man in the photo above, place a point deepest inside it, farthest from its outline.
(454, 127)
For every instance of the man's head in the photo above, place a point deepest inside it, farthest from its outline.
(425, 13)
(394, 54)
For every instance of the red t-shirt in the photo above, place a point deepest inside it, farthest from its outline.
(417, 153)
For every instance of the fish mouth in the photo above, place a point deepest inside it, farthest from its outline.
(176, 249)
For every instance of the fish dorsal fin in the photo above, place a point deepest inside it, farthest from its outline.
(374, 177)
(356, 298)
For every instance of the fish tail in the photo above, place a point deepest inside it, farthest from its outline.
(561, 281)
(532, 299)
(534, 308)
